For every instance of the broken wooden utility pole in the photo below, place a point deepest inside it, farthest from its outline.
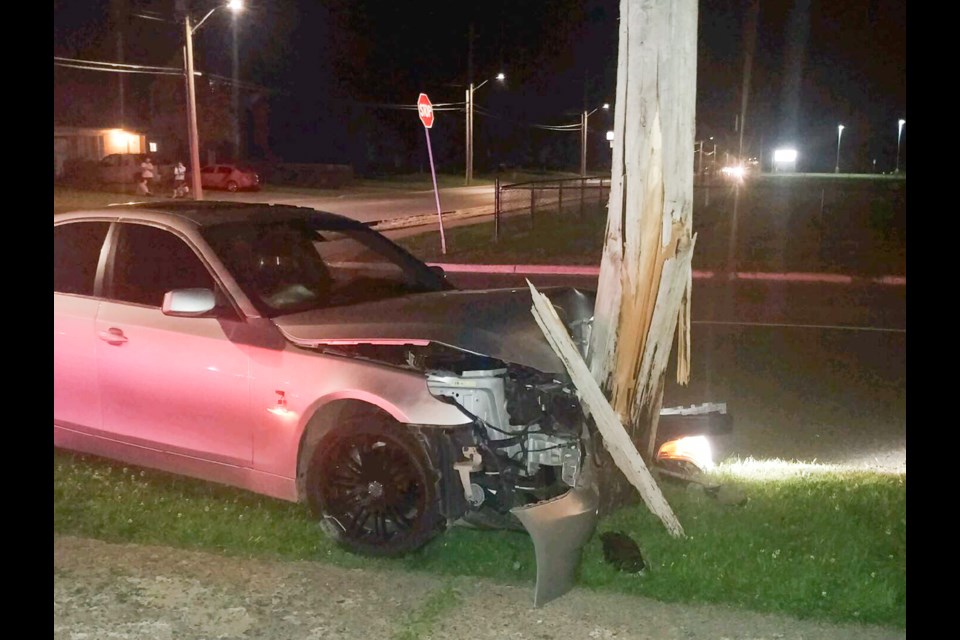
(615, 436)
(643, 294)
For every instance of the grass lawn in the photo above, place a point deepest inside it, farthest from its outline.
(810, 543)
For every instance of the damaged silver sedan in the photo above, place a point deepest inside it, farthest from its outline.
(304, 356)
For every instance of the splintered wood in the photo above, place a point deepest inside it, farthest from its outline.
(615, 437)
(643, 292)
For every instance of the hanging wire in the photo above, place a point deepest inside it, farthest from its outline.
(117, 67)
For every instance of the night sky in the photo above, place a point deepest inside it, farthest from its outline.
(338, 72)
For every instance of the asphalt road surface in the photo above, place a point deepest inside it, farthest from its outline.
(373, 206)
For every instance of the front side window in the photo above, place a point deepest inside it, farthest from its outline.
(289, 266)
(150, 261)
(76, 252)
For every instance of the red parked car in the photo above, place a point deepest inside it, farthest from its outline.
(229, 177)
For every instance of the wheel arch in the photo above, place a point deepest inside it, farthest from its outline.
(327, 416)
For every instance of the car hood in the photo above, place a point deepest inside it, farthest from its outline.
(493, 322)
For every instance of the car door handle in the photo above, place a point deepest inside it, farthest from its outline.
(113, 336)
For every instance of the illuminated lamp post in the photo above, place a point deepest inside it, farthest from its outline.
(469, 161)
(839, 133)
(235, 6)
(900, 124)
(583, 136)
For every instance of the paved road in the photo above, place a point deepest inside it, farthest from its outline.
(372, 205)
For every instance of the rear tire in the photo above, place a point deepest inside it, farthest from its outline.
(371, 484)
(233, 187)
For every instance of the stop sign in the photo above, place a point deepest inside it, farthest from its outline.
(425, 109)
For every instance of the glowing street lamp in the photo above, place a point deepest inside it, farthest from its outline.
(900, 124)
(583, 136)
(839, 133)
(469, 162)
(233, 5)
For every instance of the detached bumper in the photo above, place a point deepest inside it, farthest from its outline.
(559, 528)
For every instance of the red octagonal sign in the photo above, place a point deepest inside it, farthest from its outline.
(425, 109)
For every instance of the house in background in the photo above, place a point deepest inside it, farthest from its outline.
(84, 143)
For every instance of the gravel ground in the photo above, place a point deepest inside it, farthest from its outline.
(119, 592)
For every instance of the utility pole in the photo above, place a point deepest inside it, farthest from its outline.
(469, 135)
(236, 89)
(468, 163)
(643, 291)
(120, 25)
(192, 113)
(583, 143)
(750, 32)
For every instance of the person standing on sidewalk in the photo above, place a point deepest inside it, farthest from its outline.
(148, 173)
(142, 188)
(180, 188)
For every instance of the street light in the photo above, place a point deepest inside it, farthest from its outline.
(900, 124)
(839, 133)
(583, 136)
(233, 5)
(469, 162)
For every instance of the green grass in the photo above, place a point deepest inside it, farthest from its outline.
(550, 239)
(70, 198)
(791, 227)
(814, 544)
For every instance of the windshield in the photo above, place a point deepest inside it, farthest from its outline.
(290, 266)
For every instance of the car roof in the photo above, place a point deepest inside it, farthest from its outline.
(207, 213)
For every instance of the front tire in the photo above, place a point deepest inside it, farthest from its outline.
(233, 187)
(371, 484)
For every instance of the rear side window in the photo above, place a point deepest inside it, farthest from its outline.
(76, 252)
(151, 261)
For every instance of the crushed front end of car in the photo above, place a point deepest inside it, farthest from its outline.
(519, 460)
(522, 459)
(525, 460)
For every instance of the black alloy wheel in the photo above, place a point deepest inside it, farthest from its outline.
(373, 488)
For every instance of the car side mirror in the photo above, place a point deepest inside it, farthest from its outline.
(438, 271)
(188, 302)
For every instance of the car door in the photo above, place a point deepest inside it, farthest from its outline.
(178, 384)
(208, 177)
(77, 248)
(224, 175)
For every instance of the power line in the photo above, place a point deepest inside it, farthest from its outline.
(94, 68)
(116, 65)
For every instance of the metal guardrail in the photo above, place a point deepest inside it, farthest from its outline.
(547, 195)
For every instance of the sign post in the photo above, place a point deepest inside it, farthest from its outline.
(425, 110)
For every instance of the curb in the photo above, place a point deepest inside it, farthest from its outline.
(430, 218)
(588, 271)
